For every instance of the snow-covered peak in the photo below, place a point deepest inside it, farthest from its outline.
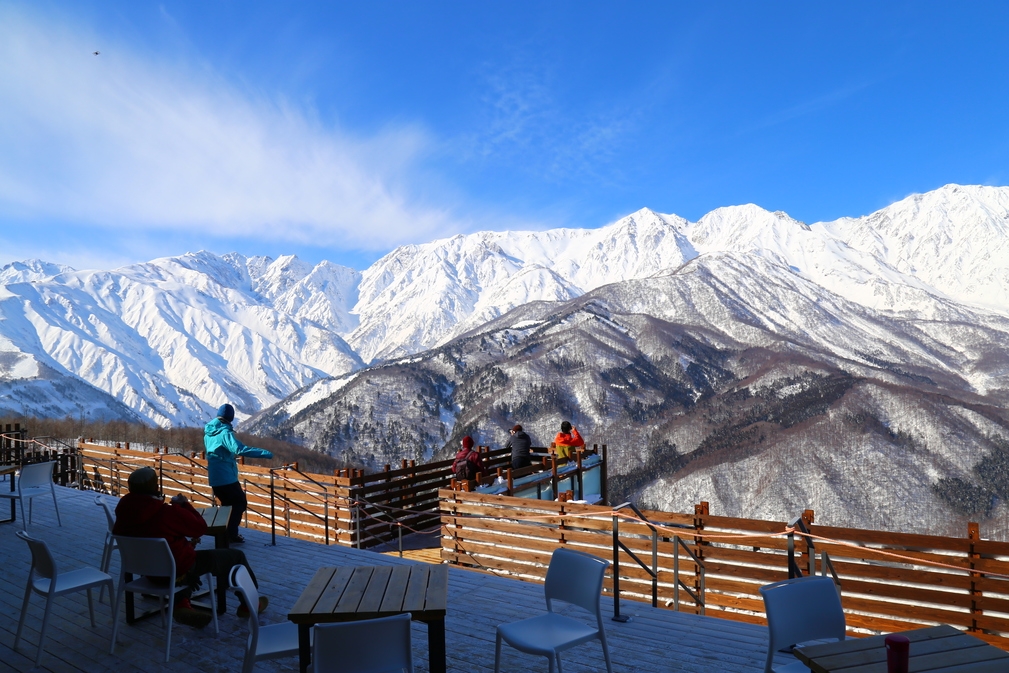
(279, 276)
(954, 239)
(323, 295)
(422, 295)
(31, 271)
(744, 228)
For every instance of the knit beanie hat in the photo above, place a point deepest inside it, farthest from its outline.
(565, 427)
(226, 413)
(517, 428)
(467, 442)
(143, 481)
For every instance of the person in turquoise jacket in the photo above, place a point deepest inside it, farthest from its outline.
(223, 448)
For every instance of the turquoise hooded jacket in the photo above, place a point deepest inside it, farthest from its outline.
(222, 448)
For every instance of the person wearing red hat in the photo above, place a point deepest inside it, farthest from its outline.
(468, 464)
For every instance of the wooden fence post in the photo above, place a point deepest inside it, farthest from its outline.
(561, 527)
(700, 510)
(973, 536)
(807, 518)
(115, 472)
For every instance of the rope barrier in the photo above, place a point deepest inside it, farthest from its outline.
(30, 440)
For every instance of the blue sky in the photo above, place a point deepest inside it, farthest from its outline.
(340, 130)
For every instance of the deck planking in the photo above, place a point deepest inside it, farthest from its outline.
(655, 640)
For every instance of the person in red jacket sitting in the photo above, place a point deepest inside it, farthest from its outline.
(468, 463)
(566, 441)
(143, 512)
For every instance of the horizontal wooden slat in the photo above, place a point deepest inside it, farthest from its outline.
(881, 592)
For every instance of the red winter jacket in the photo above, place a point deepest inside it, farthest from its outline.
(144, 516)
(471, 456)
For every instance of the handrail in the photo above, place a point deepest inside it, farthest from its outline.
(697, 597)
(273, 496)
(825, 564)
(618, 545)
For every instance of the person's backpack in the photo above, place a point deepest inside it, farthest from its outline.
(464, 469)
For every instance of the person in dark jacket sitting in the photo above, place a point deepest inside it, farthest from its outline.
(143, 512)
(519, 444)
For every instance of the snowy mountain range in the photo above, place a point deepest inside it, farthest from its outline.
(731, 379)
(171, 338)
(952, 243)
(712, 356)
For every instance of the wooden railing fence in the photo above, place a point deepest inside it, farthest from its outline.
(888, 580)
(348, 507)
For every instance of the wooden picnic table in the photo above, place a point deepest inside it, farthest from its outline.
(937, 649)
(350, 593)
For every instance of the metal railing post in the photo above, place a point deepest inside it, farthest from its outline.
(617, 617)
(676, 573)
(655, 568)
(325, 512)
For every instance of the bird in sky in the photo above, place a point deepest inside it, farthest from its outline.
(97, 52)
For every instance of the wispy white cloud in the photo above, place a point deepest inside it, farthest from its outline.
(806, 107)
(524, 120)
(124, 141)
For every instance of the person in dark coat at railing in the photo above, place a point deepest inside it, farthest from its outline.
(519, 444)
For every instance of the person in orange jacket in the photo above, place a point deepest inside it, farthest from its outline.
(566, 441)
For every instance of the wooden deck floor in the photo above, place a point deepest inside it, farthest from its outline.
(655, 640)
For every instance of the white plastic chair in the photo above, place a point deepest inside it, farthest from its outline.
(45, 580)
(36, 479)
(272, 641)
(110, 541)
(150, 557)
(798, 611)
(573, 577)
(367, 646)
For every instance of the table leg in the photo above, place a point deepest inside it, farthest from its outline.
(222, 597)
(304, 646)
(221, 542)
(436, 645)
(130, 617)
